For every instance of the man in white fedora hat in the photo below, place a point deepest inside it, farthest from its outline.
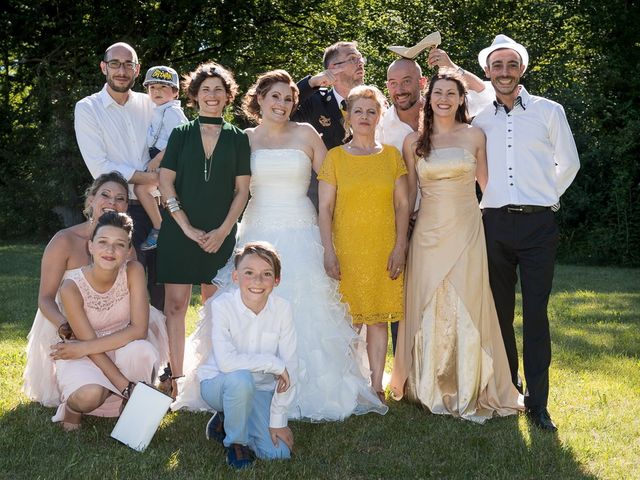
(532, 159)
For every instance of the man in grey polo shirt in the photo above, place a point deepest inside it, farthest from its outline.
(532, 159)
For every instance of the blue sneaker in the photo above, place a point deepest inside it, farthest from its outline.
(240, 456)
(151, 241)
(215, 428)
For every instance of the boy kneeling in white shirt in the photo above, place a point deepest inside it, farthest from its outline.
(249, 377)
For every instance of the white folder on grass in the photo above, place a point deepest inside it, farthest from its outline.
(141, 417)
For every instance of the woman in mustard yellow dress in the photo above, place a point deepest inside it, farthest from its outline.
(363, 218)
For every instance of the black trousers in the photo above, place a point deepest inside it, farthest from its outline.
(141, 228)
(527, 242)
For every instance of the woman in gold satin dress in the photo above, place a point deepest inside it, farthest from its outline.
(450, 357)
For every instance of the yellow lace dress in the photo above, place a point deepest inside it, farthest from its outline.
(364, 230)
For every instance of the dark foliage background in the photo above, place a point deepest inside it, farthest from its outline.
(584, 54)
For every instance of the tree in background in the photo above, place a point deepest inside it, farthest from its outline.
(584, 54)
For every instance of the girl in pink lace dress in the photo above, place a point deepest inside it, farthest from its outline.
(107, 309)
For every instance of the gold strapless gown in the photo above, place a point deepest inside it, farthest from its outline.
(450, 352)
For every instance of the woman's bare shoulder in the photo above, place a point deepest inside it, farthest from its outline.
(67, 244)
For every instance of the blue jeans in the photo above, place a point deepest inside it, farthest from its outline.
(246, 412)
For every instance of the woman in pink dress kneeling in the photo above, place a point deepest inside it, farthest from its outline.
(108, 311)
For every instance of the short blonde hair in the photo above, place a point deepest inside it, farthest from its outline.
(363, 91)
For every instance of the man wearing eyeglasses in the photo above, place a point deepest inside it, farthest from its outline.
(322, 96)
(111, 131)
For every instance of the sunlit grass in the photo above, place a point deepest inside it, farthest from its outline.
(594, 398)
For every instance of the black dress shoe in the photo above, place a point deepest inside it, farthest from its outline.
(540, 417)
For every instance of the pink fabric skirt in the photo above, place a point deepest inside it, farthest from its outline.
(135, 360)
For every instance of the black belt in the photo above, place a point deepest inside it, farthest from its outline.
(524, 208)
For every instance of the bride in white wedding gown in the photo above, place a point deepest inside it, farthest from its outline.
(333, 379)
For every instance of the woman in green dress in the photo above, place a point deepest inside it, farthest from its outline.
(204, 181)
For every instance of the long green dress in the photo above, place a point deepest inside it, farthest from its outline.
(180, 259)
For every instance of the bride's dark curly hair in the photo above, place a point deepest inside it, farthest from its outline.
(423, 145)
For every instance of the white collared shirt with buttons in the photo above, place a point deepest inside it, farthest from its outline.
(112, 136)
(531, 154)
(263, 344)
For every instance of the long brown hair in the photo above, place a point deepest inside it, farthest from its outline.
(423, 145)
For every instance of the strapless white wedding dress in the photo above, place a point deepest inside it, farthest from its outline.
(333, 378)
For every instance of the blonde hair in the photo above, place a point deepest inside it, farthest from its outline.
(368, 92)
(92, 190)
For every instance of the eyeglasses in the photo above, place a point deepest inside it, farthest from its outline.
(355, 59)
(116, 64)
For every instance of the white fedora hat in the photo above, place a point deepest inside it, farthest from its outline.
(502, 41)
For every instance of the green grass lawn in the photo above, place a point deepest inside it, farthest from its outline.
(595, 400)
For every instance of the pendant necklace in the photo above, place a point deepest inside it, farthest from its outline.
(207, 170)
(208, 159)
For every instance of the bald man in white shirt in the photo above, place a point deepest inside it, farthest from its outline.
(532, 159)
(111, 130)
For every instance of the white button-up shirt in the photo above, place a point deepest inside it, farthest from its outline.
(531, 155)
(391, 130)
(112, 136)
(264, 344)
(477, 101)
